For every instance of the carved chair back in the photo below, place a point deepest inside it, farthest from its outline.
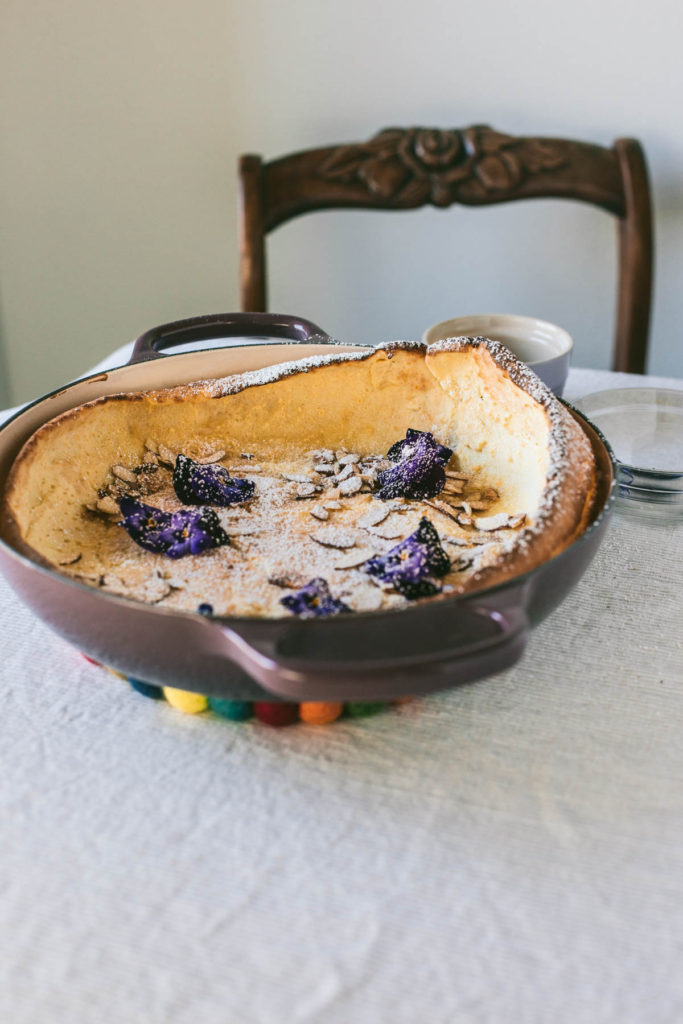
(401, 169)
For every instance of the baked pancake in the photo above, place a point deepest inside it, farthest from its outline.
(383, 476)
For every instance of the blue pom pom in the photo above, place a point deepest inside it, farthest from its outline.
(146, 689)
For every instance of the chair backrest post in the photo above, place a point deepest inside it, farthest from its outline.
(635, 261)
(252, 235)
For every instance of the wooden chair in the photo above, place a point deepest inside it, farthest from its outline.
(401, 169)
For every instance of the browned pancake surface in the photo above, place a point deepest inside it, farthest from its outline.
(516, 450)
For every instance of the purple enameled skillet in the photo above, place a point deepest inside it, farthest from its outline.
(372, 655)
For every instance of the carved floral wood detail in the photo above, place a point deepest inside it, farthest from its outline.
(431, 165)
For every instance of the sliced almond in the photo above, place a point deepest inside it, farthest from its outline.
(323, 455)
(349, 459)
(324, 468)
(297, 478)
(155, 590)
(375, 516)
(387, 532)
(467, 542)
(344, 474)
(113, 582)
(307, 490)
(490, 494)
(365, 599)
(462, 519)
(443, 508)
(340, 453)
(461, 563)
(166, 455)
(318, 512)
(354, 559)
(332, 506)
(350, 486)
(123, 473)
(288, 581)
(334, 537)
(497, 522)
(108, 506)
(517, 519)
(208, 460)
(453, 475)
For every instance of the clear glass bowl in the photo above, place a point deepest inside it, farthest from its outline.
(644, 426)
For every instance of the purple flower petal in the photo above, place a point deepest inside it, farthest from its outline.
(314, 600)
(415, 439)
(208, 485)
(174, 534)
(419, 470)
(411, 565)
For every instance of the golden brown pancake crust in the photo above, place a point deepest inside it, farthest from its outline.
(511, 438)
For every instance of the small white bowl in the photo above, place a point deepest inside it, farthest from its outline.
(543, 346)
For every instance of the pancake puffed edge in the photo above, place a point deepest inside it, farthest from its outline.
(569, 494)
(567, 497)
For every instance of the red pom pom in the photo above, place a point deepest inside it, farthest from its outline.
(276, 714)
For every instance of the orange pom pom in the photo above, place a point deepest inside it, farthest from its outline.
(315, 712)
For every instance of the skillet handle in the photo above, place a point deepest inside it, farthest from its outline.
(302, 679)
(226, 325)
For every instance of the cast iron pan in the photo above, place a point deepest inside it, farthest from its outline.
(374, 655)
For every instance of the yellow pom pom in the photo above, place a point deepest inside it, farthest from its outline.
(316, 712)
(115, 672)
(185, 700)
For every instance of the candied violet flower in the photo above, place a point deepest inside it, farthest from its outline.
(405, 449)
(411, 565)
(175, 534)
(314, 600)
(208, 485)
(419, 470)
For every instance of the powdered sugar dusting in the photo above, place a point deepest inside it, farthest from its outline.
(566, 443)
(275, 537)
(233, 384)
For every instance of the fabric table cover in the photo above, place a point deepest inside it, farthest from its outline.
(510, 851)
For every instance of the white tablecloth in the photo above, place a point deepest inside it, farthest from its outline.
(511, 851)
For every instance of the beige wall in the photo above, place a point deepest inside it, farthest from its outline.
(122, 124)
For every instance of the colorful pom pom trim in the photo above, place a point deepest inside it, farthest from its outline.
(276, 714)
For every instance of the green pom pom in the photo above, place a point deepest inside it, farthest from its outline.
(235, 710)
(364, 708)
